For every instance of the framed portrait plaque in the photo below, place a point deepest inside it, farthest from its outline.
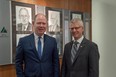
(76, 14)
(55, 27)
(22, 15)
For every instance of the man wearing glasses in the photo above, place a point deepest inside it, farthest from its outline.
(81, 56)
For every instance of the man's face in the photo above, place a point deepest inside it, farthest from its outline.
(40, 25)
(24, 17)
(76, 30)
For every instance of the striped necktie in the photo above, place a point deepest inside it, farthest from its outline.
(74, 50)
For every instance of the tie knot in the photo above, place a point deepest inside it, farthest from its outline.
(76, 42)
(39, 37)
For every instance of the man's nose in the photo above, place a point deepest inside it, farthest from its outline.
(41, 24)
(73, 29)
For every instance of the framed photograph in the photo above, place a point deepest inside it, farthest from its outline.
(22, 16)
(54, 19)
(39, 9)
(76, 14)
(55, 27)
(87, 25)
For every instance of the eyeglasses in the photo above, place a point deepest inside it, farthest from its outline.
(76, 28)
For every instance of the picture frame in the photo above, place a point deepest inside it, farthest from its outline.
(39, 9)
(87, 25)
(55, 27)
(76, 14)
(54, 19)
(22, 16)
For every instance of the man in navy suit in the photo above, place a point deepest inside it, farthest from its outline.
(29, 62)
(80, 59)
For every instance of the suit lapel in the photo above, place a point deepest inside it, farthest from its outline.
(82, 45)
(32, 42)
(69, 49)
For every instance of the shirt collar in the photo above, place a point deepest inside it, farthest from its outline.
(79, 40)
(36, 36)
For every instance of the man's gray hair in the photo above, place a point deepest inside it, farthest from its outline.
(76, 21)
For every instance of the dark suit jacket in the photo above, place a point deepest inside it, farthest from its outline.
(26, 53)
(86, 62)
(20, 26)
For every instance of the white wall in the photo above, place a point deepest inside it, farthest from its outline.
(104, 34)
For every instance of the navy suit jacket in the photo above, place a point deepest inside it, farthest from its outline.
(86, 62)
(28, 63)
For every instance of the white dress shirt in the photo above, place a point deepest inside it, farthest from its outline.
(36, 41)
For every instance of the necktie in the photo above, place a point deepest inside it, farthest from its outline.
(39, 47)
(74, 50)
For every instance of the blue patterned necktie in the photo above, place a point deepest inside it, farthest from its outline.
(39, 47)
(74, 50)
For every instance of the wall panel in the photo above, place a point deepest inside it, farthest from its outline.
(7, 71)
(76, 5)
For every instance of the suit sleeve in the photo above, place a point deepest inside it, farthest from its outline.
(56, 61)
(19, 59)
(94, 61)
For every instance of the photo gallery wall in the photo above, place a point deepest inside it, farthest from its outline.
(58, 22)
